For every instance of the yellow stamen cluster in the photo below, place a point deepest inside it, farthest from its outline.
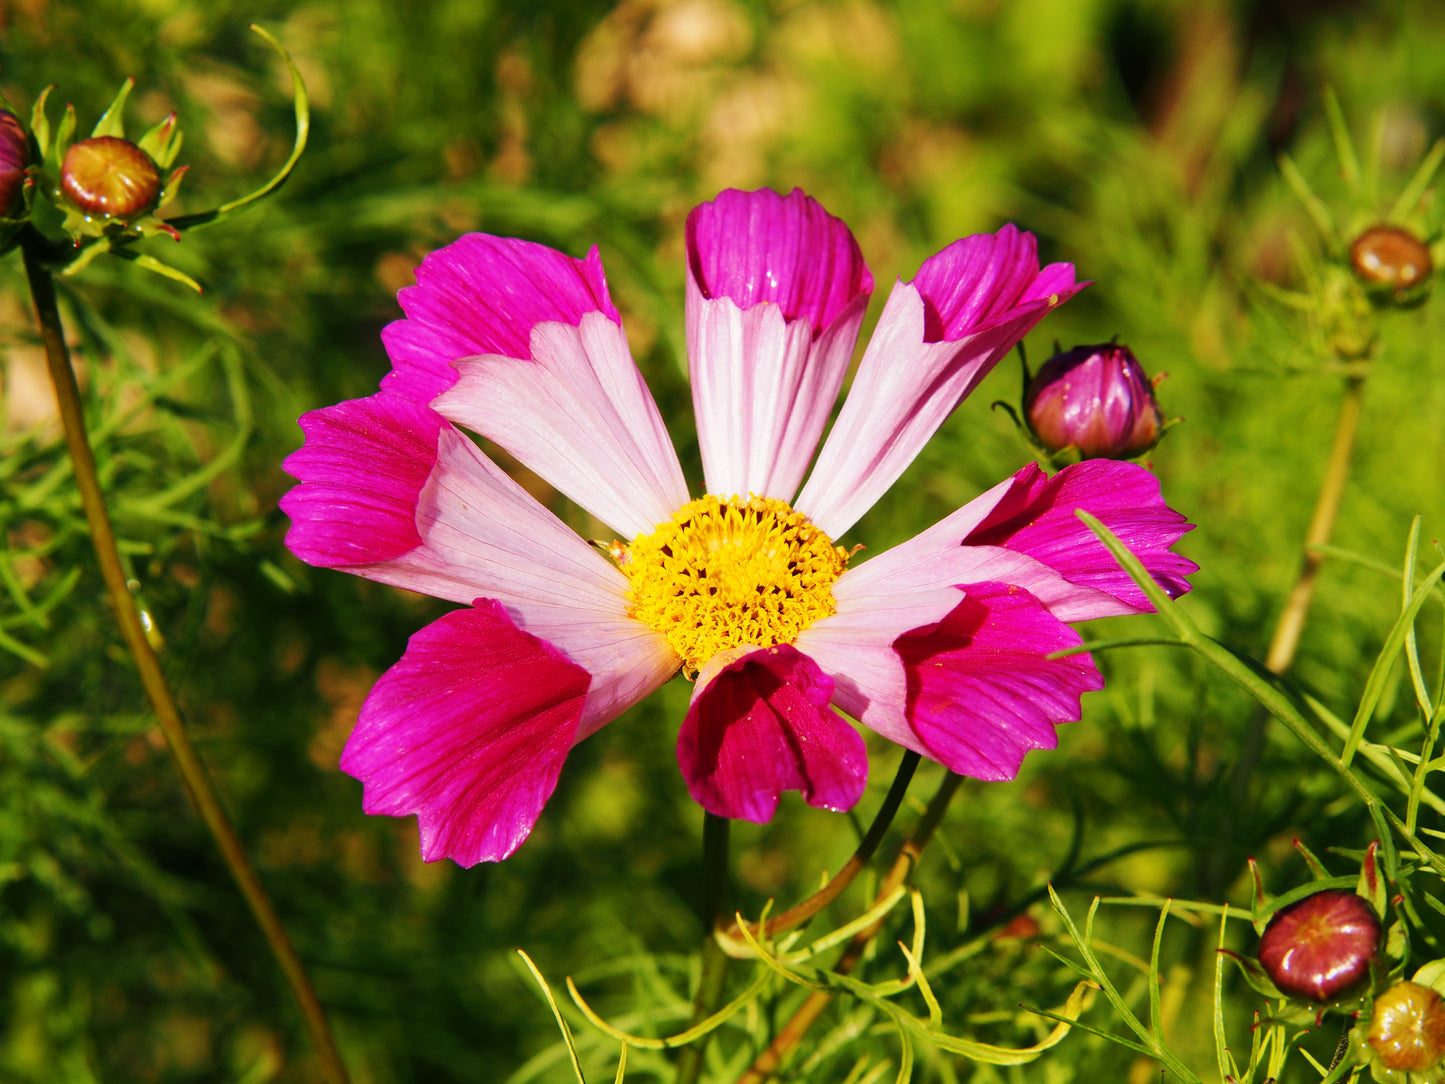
(729, 571)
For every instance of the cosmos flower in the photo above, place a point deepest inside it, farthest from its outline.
(940, 644)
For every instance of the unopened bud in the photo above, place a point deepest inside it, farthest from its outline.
(1387, 256)
(1096, 399)
(14, 158)
(1407, 1030)
(1321, 946)
(107, 175)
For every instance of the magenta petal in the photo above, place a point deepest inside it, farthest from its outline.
(753, 247)
(361, 469)
(1036, 517)
(981, 690)
(483, 295)
(468, 731)
(759, 725)
(983, 278)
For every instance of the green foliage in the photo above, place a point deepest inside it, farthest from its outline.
(1138, 140)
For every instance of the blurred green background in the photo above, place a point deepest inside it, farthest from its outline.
(1137, 139)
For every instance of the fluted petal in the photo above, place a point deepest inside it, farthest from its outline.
(982, 690)
(759, 724)
(776, 292)
(468, 732)
(483, 295)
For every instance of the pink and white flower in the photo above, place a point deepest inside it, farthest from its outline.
(941, 644)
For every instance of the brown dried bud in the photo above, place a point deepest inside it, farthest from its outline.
(1407, 1030)
(1391, 257)
(107, 175)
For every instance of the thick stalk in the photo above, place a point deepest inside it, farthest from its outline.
(793, 1031)
(714, 961)
(187, 760)
(1322, 525)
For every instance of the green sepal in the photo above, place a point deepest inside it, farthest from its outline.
(111, 122)
(1254, 974)
(64, 134)
(40, 123)
(1316, 867)
(150, 263)
(163, 142)
(87, 253)
(1260, 910)
(1371, 885)
(170, 188)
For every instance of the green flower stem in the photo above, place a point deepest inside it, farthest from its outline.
(714, 961)
(35, 249)
(793, 1031)
(1291, 622)
(795, 916)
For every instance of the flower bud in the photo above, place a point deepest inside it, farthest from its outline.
(110, 176)
(1320, 946)
(1096, 399)
(14, 158)
(1407, 1030)
(1387, 256)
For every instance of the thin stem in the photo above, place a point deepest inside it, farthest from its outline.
(188, 762)
(1291, 623)
(795, 916)
(793, 1031)
(714, 961)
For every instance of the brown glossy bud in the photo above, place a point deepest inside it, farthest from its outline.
(14, 158)
(107, 175)
(1392, 257)
(1407, 1030)
(1320, 946)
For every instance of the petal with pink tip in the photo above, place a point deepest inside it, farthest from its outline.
(578, 414)
(937, 338)
(479, 534)
(468, 732)
(776, 292)
(361, 468)
(756, 247)
(1037, 518)
(759, 724)
(982, 691)
(483, 295)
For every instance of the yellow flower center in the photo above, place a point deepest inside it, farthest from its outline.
(729, 571)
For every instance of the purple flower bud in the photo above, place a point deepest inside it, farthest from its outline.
(14, 158)
(1321, 946)
(107, 175)
(1096, 399)
(1407, 1030)
(1388, 256)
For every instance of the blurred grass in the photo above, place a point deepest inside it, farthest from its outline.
(1136, 138)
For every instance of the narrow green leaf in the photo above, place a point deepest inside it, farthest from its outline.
(1415, 190)
(1156, 1013)
(1323, 220)
(556, 1015)
(303, 128)
(1375, 683)
(111, 122)
(1227, 1067)
(1344, 146)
